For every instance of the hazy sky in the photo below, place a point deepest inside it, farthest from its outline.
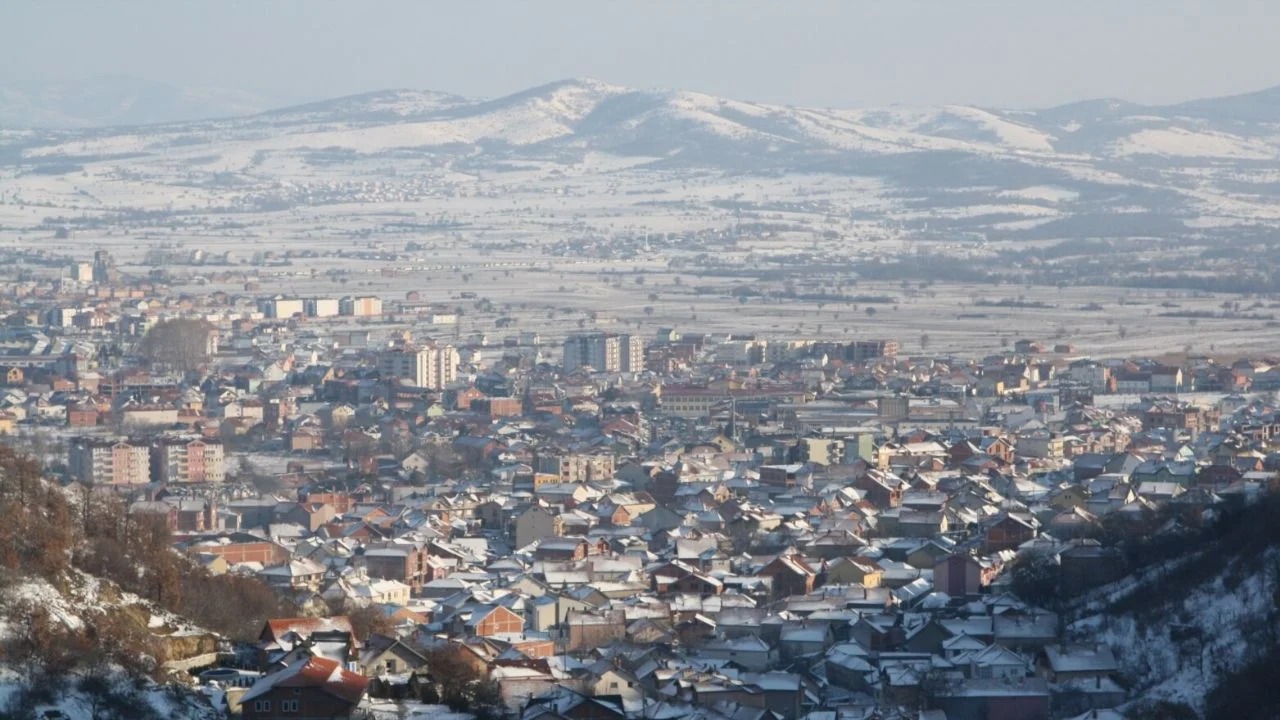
(830, 52)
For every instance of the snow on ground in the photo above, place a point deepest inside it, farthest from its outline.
(1048, 193)
(107, 145)
(1185, 143)
(1011, 134)
(409, 710)
(83, 599)
(954, 127)
(1199, 399)
(167, 701)
(1164, 669)
(842, 130)
(10, 686)
(702, 111)
(396, 102)
(1022, 224)
(43, 595)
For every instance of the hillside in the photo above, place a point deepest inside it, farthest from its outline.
(1195, 624)
(98, 615)
(88, 650)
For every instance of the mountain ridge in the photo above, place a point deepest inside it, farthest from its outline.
(1110, 158)
(116, 98)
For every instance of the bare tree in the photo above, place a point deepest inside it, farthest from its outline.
(181, 344)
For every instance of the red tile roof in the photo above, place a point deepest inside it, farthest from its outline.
(313, 672)
(304, 627)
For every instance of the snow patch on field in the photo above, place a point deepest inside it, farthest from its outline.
(1047, 193)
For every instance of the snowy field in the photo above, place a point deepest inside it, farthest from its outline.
(566, 217)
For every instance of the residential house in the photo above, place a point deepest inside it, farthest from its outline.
(853, 570)
(537, 523)
(962, 575)
(383, 654)
(791, 575)
(1009, 531)
(310, 687)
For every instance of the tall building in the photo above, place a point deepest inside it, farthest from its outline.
(280, 307)
(368, 306)
(604, 352)
(320, 307)
(109, 462)
(431, 366)
(104, 268)
(632, 354)
(81, 272)
(184, 460)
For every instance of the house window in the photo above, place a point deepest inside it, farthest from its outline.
(391, 666)
(289, 706)
(262, 706)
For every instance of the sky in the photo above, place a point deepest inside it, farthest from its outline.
(837, 53)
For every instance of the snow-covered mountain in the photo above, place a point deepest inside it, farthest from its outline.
(597, 116)
(592, 115)
(1206, 163)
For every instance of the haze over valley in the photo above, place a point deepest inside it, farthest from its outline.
(780, 361)
(593, 179)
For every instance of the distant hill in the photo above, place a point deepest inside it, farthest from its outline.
(115, 100)
(1099, 168)
(594, 115)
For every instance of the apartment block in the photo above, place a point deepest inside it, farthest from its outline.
(321, 307)
(368, 306)
(431, 367)
(577, 467)
(604, 352)
(109, 462)
(188, 460)
(860, 351)
(281, 308)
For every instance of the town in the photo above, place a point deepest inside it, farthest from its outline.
(614, 526)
